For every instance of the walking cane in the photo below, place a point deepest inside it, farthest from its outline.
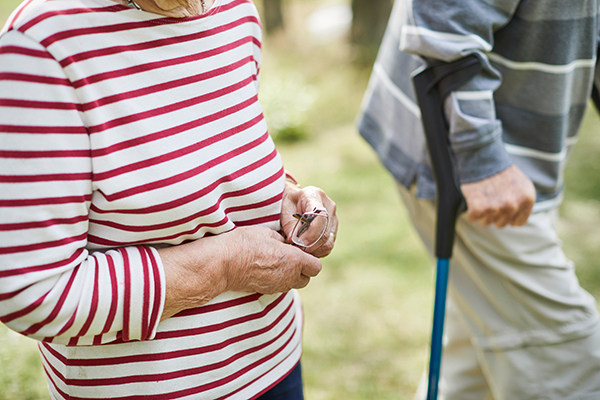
(432, 85)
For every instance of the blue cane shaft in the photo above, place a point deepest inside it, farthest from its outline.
(437, 332)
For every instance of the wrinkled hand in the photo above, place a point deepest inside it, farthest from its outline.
(246, 259)
(260, 261)
(504, 199)
(301, 200)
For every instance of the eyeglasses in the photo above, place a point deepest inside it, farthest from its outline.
(310, 227)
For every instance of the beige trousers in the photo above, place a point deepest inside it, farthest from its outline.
(518, 325)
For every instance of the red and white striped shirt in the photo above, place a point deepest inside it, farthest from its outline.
(122, 131)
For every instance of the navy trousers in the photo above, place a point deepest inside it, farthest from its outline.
(290, 388)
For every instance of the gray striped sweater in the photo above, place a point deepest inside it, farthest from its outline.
(525, 106)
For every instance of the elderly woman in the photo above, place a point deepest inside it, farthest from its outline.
(149, 235)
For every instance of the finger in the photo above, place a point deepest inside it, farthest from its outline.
(505, 215)
(485, 217)
(288, 221)
(287, 227)
(309, 199)
(501, 223)
(301, 282)
(521, 217)
(474, 215)
(312, 267)
(313, 198)
(325, 244)
(325, 237)
(475, 210)
(327, 247)
(333, 229)
(485, 222)
(276, 235)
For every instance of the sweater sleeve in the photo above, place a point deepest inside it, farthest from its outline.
(448, 31)
(51, 287)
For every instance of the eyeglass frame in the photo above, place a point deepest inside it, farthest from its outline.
(306, 219)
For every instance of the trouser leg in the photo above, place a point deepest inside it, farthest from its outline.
(522, 306)
(462, 376)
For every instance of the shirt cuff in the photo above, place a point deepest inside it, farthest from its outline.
(476, 164)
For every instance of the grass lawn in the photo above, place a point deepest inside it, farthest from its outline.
(368, 314)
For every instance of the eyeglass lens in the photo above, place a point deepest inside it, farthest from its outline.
(309, 228)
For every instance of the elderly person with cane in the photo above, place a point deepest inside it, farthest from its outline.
(150, 238)
(518, 324)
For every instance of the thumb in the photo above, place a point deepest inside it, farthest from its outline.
(312, 266)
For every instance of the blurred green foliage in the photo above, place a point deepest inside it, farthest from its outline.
(286, 99)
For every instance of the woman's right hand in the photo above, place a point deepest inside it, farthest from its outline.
(246, 259)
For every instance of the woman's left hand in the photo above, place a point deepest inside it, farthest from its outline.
(303, 200)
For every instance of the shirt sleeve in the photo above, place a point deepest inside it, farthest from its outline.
(51, 287)
(448, 31)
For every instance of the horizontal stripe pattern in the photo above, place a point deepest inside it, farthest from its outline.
(121, 132)
(182, 357)
(539, 61)
(421, 32)
(542, 67)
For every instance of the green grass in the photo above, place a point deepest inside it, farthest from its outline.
(21, 373)
(368, 314)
